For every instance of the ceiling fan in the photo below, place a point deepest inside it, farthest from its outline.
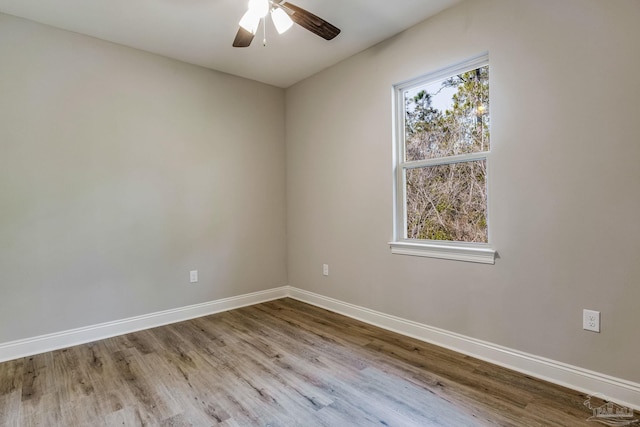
(283, 15)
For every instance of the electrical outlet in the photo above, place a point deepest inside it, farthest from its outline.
(591, 320)
(193, 276)
(325, 269)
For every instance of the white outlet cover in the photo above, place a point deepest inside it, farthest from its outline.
(591, 320)
(193, 276)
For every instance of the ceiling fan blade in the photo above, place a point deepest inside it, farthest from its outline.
(243, 38)
(311, 22)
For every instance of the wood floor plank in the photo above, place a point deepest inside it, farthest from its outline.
(281, 363)
(451, 375)
(11, 376)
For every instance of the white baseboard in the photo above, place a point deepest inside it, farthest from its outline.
(618, 390)
(615, 389)
(55, 341)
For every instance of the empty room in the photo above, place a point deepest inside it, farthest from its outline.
(319, 213)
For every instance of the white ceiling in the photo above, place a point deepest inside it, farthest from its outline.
(201, 31)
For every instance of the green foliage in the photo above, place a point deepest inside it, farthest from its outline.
(448, 201)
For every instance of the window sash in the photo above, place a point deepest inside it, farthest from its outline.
(431, 248)
(457, 160)
(480, 155)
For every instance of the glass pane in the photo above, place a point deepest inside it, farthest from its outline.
(448, 202)
(448, 117)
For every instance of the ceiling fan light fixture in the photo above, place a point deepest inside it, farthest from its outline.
(250, 21)
(259, 7)
(283, 15)
(281, 20)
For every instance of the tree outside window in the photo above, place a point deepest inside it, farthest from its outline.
(444, 145)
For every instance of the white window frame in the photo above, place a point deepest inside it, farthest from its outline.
(401, 245)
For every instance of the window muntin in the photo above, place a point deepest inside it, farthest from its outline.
(443, 143)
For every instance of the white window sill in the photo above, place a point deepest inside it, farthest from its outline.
(456, 252)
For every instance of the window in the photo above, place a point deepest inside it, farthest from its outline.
(442, 154)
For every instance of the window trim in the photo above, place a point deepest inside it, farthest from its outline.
(460, 251)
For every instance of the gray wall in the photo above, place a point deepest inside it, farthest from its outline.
(564, 179)
(120, 171)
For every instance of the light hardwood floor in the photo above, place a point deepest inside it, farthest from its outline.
(281, 363)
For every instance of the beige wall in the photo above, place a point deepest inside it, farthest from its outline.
(120, 171)
(564, 180)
